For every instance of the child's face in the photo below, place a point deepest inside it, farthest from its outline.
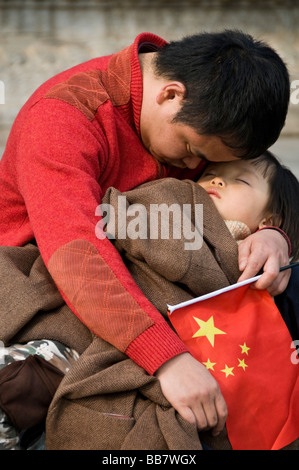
(239, 192)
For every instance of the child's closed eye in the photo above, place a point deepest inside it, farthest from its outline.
(243, 181)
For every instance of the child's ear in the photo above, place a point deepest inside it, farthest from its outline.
(268, 222)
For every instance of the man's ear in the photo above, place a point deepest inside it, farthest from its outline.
(171, 91)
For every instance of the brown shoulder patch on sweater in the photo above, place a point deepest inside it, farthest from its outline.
(83, 91)
(86, 91)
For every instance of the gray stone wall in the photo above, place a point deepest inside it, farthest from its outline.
(39, 38)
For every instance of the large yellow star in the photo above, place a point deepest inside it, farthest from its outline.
(209, 364)
(228, 371)
(207, 329)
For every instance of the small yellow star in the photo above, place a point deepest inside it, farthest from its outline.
(209, 364)
(228, 371)
(244, 348)
(242, 364)
(207, 329)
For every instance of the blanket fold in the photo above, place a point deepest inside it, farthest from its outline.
(31, 306)
(116, 405)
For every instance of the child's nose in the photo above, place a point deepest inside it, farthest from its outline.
(217, 181)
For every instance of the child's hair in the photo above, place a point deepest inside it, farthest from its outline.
(284, 197)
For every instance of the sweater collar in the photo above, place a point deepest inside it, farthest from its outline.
(144, 42)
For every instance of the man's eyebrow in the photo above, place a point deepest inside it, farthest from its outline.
(200, 155)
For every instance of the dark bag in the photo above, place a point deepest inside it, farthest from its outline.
(26, 390)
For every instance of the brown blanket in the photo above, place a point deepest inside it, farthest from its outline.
(106, 401)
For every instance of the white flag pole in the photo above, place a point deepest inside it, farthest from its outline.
(172, 308)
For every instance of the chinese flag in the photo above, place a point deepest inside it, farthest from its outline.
(240, 336)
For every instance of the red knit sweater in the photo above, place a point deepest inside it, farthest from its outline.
(77, 135)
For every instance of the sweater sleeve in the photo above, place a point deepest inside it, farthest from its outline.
(61, 158)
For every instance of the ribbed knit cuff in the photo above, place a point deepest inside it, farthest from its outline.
(282, 233)
(155, 346)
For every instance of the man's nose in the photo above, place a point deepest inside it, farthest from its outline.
(217, 181)
(192, 162)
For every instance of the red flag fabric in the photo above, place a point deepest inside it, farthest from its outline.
(241, 338)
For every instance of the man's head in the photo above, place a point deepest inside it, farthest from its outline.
(226, 85)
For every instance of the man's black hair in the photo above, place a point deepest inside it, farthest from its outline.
(237, 88)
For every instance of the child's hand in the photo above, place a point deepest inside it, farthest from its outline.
(193, 392)
(266, 249)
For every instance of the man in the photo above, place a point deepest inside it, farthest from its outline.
(151, 111)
